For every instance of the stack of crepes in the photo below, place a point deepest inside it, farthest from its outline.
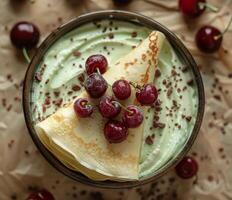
(79, 143)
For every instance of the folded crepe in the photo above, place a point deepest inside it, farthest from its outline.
(80, 144)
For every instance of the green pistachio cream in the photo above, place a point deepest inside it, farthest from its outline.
(59, 79)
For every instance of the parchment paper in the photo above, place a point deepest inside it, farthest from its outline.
(23, 169)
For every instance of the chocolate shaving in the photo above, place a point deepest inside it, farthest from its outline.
(158, 108)
(47, 101)
(169, 92)
(104, 29)
(158, 125)
(56, 93)
(134, 34)
(157, 73)
(149, 140)
(81, 78)
(111, 35)
(77, 53)
(174, 73)
(44, 108)
(58, 102)
(76, 88)
(190, 82)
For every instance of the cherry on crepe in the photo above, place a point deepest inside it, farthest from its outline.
(208, 39)
(108, 107)
(187, 167)
(40, 195)
(96, 85)
(132, 117)
(24, 35)
(121, 89)
(95, 63)
(82, 108)
(115, 131)
(147, 94)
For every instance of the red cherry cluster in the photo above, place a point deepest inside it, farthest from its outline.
(208, 38)
(115, 131)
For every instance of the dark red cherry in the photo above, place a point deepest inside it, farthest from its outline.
(147, 95)
(121, 89)
(40, 195)
(96, 85)
(24, 35)
(133, 116)
(192, 8)
(95, 62)
(108, 107)
(187, 167)
(209, 39)
(82, 108)
(115, 131)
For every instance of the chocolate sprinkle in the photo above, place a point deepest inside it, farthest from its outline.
(81, 78)
(111, 35)
(76, 88)
(77, 53)
(157, 73)
(190, 82)
(134, 34)
(158, 125)
(149, 140)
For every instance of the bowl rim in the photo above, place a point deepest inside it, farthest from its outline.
(120, 15)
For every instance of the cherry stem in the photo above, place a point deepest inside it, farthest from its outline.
(226, 29)
(122, 106)
(26, 56)
(209, 6)
(134, 85)
(98, 71)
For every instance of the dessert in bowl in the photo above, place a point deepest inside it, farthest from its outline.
(134, 49)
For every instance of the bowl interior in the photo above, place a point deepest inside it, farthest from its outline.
(179, 48)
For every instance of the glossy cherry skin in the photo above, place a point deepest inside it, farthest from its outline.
(187, 168)
(95, 62)
(96, 85)
(115, 131)
(191, 8)
(24, 35)
(121, 89)
(147, 95)
(108, 107)
(132, 117)
(209, 39)
(40, 195)
(82, 108)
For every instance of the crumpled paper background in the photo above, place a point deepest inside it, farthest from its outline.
(23, 169)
